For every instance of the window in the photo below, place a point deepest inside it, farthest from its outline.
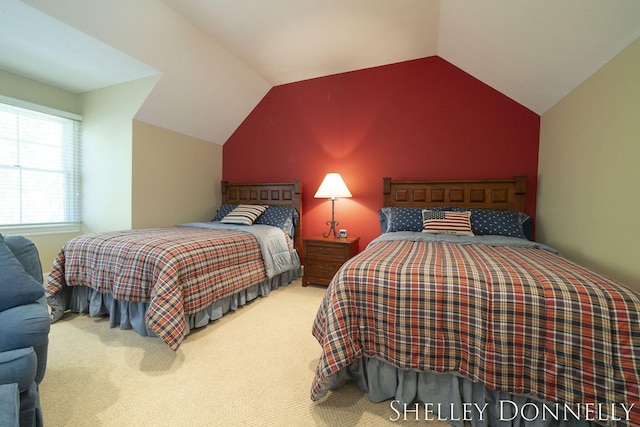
(39, 171)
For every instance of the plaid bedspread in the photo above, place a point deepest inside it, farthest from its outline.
(520, 320)
(178, 270)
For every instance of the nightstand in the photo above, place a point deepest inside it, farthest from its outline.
(323, 256)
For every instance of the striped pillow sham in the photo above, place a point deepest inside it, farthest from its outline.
(244, 214)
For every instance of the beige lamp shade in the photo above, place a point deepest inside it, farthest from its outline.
(332, 187)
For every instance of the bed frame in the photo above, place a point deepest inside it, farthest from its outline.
(278, 194)
(497, 194)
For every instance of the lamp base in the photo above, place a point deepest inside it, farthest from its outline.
(332, 228)
(333, 221)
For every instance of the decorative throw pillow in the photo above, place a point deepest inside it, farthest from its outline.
(283, 217)
(446, 222)
(17, 287)
(244, 214)
(224, 211)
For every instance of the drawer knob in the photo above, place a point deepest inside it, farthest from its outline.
(325, 270)
(325, 251)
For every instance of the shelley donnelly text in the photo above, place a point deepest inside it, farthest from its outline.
(508, 410)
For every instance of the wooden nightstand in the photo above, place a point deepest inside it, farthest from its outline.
(323, 256)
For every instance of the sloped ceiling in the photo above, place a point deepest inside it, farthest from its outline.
(218, 58)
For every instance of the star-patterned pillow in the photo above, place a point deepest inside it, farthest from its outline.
(500, 223)
(283, 217)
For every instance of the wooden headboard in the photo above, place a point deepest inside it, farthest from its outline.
(497, 194)
(279, 194)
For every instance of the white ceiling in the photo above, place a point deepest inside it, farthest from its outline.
(291, 40)
(218, 58)
(34, 45)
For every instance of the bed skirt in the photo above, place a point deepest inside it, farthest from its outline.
(452, 395)
(131, 315)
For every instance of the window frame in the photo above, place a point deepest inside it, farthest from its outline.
(51, 227)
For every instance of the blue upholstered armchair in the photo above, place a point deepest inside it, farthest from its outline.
(24, 331)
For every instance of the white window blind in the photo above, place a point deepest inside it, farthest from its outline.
(39, 170)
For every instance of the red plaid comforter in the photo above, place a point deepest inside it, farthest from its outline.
(178, 270)
(520, 320)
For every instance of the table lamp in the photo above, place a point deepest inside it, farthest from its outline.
(332, 186)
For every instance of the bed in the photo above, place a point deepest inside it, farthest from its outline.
(484, 329)
(167, 281)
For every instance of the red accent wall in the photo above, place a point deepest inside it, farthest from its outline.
(420, 119)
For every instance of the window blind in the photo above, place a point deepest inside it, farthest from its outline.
(40, 181)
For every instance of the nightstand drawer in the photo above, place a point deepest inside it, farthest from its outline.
(325, 250)
(325, 270)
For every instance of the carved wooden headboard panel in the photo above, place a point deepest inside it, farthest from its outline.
(278, 194)
(498, 194)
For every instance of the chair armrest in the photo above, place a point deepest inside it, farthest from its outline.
(18, 366)
(27, 326)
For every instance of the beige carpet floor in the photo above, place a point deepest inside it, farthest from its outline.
(253, 367)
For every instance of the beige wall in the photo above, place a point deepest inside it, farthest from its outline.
(107, 150)
(589, 177)
(176, 178)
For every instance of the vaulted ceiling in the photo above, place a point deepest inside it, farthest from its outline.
(218, 58)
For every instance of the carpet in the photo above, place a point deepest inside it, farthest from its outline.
(253, 367)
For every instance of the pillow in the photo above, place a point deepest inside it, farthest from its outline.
(527, 225)
(224, 211)
(447, 222)
(17, 287)
(283, 217)
(244, 214)
(500, 223)
(403, 219)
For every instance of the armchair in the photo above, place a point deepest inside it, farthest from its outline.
(24, 326)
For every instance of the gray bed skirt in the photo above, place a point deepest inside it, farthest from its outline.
(416, 396)
(131, 315)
